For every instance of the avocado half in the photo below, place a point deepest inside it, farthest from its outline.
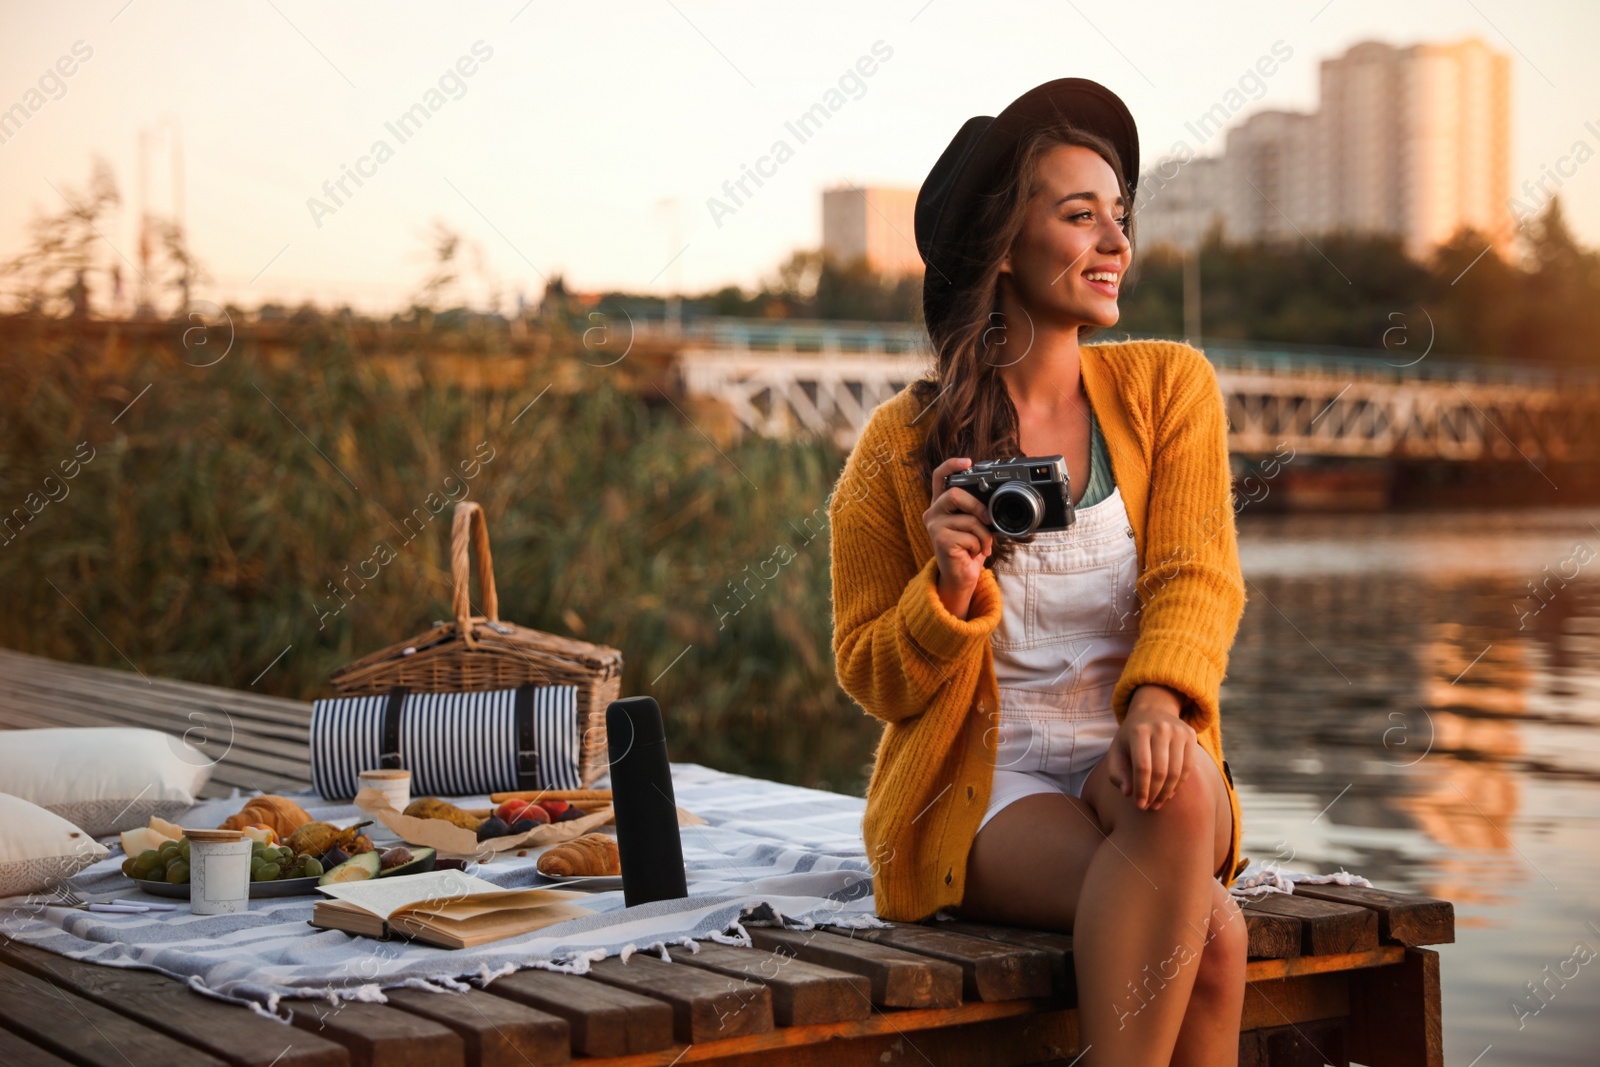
(421, 862)
(361, 866)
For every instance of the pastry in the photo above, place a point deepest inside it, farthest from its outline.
(591, 854)
(434, 808)
(269, 809)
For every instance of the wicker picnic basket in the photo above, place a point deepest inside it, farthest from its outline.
(472, 653)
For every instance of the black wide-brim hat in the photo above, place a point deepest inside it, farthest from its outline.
(978, 158)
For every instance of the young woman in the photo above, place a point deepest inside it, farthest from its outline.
(1052, 755)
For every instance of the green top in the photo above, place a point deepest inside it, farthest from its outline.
(1100, 481)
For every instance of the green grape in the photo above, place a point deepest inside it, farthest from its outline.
(168, 848)
(147, 862)
(183, 848)
(130, 867)
(178, 872)
(267, 872)
(311, 866)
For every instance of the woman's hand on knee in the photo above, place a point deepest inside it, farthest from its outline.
(1149, 756)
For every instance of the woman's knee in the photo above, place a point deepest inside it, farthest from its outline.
(1227, 946)
(1192, 808)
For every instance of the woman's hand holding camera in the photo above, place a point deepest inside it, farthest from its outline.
(1148, 756)
(956, 522)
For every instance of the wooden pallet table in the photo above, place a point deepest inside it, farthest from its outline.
(1337, 975)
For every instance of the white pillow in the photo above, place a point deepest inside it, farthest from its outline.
(38, 849)
(104, 779)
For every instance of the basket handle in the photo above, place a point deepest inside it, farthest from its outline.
(469, 535)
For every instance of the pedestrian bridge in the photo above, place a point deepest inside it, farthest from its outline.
(787, 378)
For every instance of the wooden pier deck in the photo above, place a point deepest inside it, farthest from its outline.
(1336, 976)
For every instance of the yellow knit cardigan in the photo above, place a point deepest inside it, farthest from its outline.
(930, 676)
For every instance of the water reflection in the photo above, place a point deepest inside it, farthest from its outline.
(1414, 698)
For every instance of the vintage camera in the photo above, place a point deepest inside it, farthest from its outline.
(1024, 493)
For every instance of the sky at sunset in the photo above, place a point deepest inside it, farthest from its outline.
(589, 139)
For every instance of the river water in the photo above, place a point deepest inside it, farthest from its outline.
(1415, 698)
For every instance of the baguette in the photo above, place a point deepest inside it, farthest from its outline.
(552, 794)
(591, 854)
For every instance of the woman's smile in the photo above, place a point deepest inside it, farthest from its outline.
(1103, 280)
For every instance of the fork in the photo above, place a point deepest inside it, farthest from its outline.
(67, 898)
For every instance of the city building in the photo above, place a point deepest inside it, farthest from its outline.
(874, 222)
(1410, 141)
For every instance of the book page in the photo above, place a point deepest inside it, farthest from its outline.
(385, 896)
(510, 900)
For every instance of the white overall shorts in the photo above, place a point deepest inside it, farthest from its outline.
(1069, 620)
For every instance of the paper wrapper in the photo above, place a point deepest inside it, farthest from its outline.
(450, 839)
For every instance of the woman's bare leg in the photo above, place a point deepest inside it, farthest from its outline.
(1142, 914)
(1029, 866)
(1210, 1032)
(1027, 863)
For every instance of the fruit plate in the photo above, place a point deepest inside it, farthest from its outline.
(281, 887)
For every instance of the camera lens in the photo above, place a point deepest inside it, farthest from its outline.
(1016, 509)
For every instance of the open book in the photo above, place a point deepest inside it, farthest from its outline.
(451, 909)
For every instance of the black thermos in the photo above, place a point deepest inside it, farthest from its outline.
(641, 794)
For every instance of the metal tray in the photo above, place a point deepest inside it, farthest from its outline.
(282, 887)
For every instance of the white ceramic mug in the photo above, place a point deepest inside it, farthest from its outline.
(219, 871)
(394, 785)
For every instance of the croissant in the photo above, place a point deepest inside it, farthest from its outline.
(591, 854)
(269, 809)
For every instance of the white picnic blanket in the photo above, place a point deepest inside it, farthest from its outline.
(768, 853)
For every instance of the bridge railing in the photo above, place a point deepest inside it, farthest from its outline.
(826, 337)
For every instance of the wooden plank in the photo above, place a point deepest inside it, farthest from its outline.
(1395, 1015)
(1279, 1001)
(215, 731)
(1309, 1044)
(803, 994)
(25, 667)
(233, 1033)
(990, 970)
(705, 1006)
(18, 1052)
(603, 1020)
(377, 1035)
(192, 705)
(1272, 936)
(1403, 918)
(899, 979)
(44, 1014)
(1057, 948)
(1382, 956)
(902, 1033)
(1325, 927)
(1250, 1049)
(497, 1032)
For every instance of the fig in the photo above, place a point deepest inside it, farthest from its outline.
(493, 826)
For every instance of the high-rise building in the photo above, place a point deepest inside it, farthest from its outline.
(874, 222)
(1412, 141)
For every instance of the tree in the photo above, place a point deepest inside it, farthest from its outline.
(65, 246)
(1560, 295)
